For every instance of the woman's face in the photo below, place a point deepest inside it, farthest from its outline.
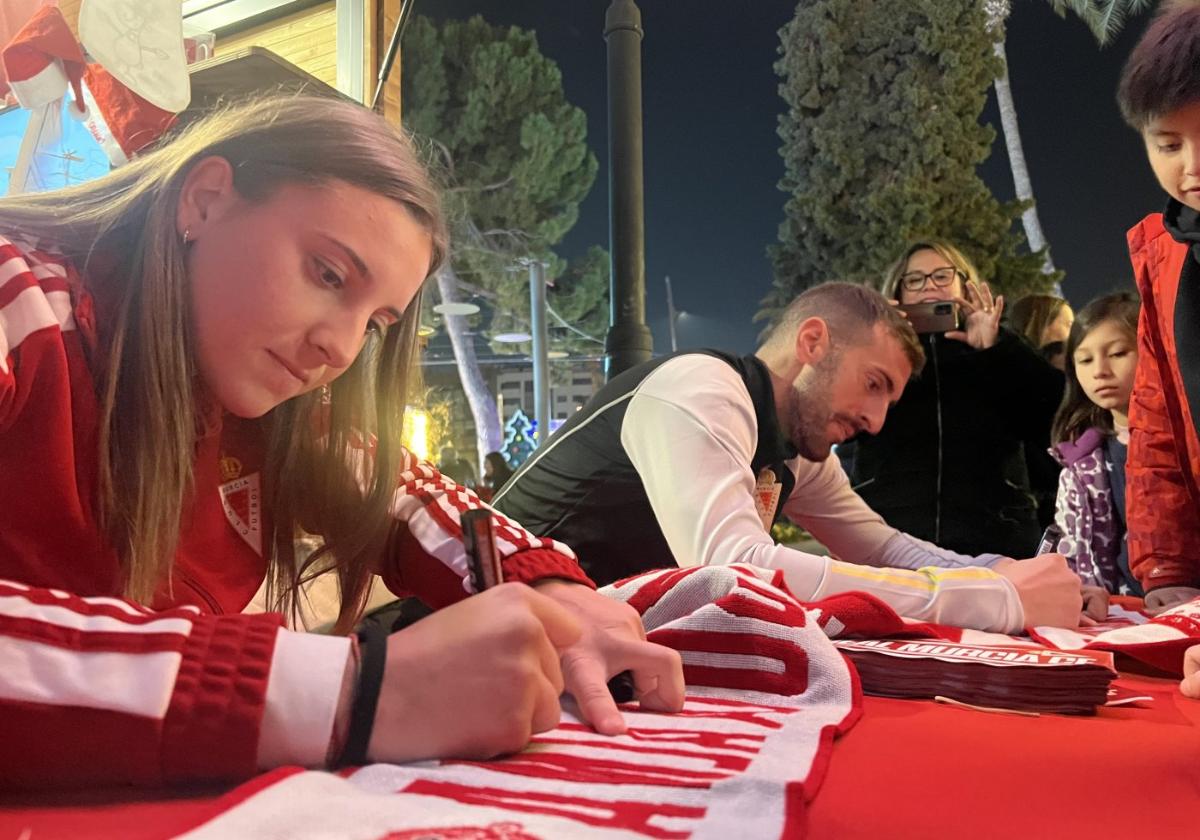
(284, 292)
(928, 262)
(1059, 328)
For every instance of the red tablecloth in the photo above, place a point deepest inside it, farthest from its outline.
(908, 769)
(924, 770)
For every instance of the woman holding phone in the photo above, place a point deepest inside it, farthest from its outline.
(948, 465)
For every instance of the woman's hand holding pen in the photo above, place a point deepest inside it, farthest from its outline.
(474, 680)
(612, 641)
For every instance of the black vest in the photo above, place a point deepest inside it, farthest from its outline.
(580, 488)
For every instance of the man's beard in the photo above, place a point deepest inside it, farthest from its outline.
(811, 411)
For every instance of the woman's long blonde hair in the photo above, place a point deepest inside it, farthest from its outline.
(147, 388)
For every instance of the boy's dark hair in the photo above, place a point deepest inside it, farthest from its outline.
(1078, 413)
(1162, 73)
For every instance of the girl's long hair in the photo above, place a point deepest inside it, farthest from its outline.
(1076, 414)
(148, 393)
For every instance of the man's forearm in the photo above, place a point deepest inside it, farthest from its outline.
(903, 551)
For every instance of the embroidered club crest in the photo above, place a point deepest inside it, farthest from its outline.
(241, 500)
(766, 497)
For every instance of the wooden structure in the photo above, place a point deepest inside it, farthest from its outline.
(307, 38)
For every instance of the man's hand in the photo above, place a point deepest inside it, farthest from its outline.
(1162, 599)
(473, 680)
(613, 641)
(1051, 594)
(1190, 686)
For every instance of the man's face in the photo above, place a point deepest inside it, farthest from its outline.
(1173, 147)
(847, 392)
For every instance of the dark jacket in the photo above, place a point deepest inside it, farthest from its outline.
(949, 464)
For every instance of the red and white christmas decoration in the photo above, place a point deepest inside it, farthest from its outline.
(126, 107)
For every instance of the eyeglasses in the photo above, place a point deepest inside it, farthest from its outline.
(914, 281)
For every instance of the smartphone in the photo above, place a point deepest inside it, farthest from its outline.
(936, 316)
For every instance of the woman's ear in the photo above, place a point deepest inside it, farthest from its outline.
(207, 193)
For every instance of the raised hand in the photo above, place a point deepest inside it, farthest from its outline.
(981, 314)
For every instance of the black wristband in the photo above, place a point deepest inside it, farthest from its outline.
(372, 647)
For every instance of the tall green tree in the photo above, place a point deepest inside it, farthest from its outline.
(881, 140)
(515, 160)
(1105, 19)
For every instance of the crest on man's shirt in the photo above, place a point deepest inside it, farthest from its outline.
(242, 501)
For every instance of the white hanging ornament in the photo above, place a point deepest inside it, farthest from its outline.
(140, 42)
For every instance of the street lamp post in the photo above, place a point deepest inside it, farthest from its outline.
(537, 318)
(629, 341)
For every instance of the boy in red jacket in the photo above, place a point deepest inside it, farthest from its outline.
(1159, 96)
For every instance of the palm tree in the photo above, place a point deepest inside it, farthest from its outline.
(1105, 19)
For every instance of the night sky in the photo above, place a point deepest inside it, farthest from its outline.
(712, 166)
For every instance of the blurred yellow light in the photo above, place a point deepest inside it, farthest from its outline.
(416, 432)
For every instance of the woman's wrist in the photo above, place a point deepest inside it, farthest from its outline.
(345, 704)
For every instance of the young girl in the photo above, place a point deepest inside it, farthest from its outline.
(1090, 436)
(204, 355)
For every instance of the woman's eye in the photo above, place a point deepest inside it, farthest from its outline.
(1168, 148)
(329, 277)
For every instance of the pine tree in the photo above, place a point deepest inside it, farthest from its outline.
(516, 163)
(881, 141)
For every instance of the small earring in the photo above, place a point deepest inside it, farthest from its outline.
(326, 395)
(187, 234)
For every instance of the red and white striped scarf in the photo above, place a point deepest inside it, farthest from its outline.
(767, 694)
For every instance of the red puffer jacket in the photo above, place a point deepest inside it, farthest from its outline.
(1163, 472)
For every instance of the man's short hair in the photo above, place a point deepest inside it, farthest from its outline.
(1162, 74)
(851, 312)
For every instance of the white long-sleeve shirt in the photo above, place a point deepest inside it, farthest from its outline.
(660, 468)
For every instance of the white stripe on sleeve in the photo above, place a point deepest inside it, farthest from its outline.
(302, 697)
(136, 684)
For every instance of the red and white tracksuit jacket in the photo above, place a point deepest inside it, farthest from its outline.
(94, 688)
